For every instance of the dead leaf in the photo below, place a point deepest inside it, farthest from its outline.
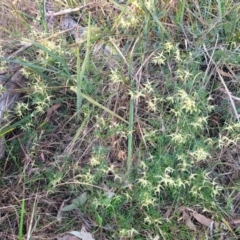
(225, 74)
(202, 219)
(187, 219)
(76, 235)
(51, 110)
(168, 212)
(110, 194)
(156, 238)
(236, 221)
(86, 235)
(121, 155)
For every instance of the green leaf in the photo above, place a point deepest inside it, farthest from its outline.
(81, 200)
(69, 208)
(76, 202)
(99, 220)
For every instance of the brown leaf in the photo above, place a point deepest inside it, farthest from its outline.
(51, 110)
(224, 74)
(187, 219)
(202, 219)
(121, 155)
(236, 221)
(168, 212)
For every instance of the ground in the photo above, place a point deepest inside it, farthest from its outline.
(127, 125)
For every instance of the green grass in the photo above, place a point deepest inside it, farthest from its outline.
(21, 224)
(137, 115)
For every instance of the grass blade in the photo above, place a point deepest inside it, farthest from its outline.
(26, 64)
(20, 233)
(37, 69)
(89, 99)
(76, 136)
(6, 129)
(81, 70)
(55, 56)
(180, 12)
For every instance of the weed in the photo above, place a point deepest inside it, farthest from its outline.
(139, 114)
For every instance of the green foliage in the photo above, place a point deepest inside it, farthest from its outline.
(127, 119)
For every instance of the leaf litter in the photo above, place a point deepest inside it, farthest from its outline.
(76, 235)
(188, 214)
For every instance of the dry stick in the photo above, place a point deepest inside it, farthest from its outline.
(27, 90)
(33, 214)
(236, 98)
(139, 72)
(24, 47)
(144, 63)
(228, 93)
(224, 84)
(28, 159)
(138, 84)
(70, 10)
(233, 97)
(210, 60)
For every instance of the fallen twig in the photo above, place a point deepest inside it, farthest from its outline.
(70, 10)
(224, 84)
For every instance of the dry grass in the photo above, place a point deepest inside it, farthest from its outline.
(16, 17)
